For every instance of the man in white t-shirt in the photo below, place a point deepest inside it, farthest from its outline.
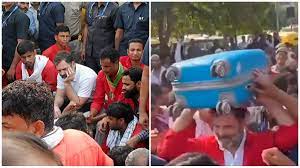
(75, 82)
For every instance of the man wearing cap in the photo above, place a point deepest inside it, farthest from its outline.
(232, 144)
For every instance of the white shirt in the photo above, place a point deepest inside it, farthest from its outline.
(202, 127)
(238, 158)
(156, 75)
(242, 45)
(84, 82)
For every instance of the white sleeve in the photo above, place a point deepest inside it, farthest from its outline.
(60, 82)
(86, 87)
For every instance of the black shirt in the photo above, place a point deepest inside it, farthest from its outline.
(50, 13)
(15, 25)
(134, 22)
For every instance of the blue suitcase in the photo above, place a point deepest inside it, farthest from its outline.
(218, 81)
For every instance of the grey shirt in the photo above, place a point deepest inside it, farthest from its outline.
(72, 16)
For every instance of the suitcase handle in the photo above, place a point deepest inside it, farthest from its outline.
(223, 107)
(219, 69)
(172, 74)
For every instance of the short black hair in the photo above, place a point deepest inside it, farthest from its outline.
(136, 40)
(192, 159)
(134, 73)
(73, 120)
(120, 110)
(61, 28)
(119, 154)
(30, 100)
(64, 56)
(26, 149)
(25, 46)
(111, 54)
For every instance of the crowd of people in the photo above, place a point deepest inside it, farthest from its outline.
(266, 133)
(75, 92)
(75, 83)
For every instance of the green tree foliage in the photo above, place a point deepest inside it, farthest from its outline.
(228, 18)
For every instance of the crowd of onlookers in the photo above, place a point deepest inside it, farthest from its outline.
(248, 135)
(75, 83)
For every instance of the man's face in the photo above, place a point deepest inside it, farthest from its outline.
(63, 38)
(108, 67)
(24, 5)
(114, 123)
(6, 4)
(281, 58)
(155, 62)
(129, 88)
(135, 51)
(28, 59)
(63, 67)
(17, 123)
(228, 130)
(14, 123)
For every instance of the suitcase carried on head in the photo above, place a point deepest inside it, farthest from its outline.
(218, 81)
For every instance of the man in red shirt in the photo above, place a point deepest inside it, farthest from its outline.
(28, 107)
(62, 38)
(135, 51)
(108, 83)
(131, 88)
(35, 67)
(232, 144)
(123, 125)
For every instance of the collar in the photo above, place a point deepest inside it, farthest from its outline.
(240, 146)
(102, 5)
(60, 48)
(54, 137)
(132, 6)
(118, 77)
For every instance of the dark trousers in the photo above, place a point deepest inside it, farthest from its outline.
(93, 63)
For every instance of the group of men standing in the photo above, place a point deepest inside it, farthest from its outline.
(113, 40)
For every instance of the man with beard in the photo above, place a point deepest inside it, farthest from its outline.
(109, 82)
(75, 82)
(131, 81)
(35, 67)
(131, 88)
(232, 144)
(123, 126)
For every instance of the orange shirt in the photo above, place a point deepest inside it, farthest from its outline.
(49, 74)
(79, 149)
(52, 51)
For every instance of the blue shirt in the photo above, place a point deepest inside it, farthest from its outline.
(32, 25)
(134, 22)
(50, 14)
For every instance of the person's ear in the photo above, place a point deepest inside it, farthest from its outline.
(38, 128)
(128, 51)
(122, 121)
(56, 37)
(138, 84)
